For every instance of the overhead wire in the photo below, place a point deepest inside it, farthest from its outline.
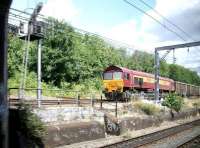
(166, 19)
(163, 25)
(169, 21)
(156, 20)
(119, 43)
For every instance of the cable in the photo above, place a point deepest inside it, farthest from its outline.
(163, 25)
(24, 12)
(170, 22)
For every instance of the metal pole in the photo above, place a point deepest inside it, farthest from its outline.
(78, 100)
(101, 101)
(39, 73)
(93, 99)
(26, 63)
(115, 104)
(157, 65)
(174, 59)
(4, 112)
(20, 96)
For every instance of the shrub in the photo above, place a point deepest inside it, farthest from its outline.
(196, 104)
(31, 127)
(174, 102)
(148, 109)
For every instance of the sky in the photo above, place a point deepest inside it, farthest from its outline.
(119, 21)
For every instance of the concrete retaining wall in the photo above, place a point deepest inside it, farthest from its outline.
(73, 132)
(69, 114)
(136, 123)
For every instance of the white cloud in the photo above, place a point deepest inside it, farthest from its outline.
(151, 34)
(60, 9)
(125, 32)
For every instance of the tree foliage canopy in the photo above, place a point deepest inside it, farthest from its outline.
(72, 57)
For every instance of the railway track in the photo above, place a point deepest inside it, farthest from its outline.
(53, 102)
(195, 142)
(153, 137)
(14, 102)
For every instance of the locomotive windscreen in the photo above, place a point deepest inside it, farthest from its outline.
(107, 76)
(112, 76)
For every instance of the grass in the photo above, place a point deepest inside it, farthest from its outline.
(86, 89)
(196, 104)
(148, 109)
(191, 103)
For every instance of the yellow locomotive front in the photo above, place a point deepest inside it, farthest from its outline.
(113, 82)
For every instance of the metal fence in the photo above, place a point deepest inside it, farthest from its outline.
(55, 97)
(52, 96)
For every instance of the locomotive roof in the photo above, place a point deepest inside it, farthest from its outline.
(134, 72)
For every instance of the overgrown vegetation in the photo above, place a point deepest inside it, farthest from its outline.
(196, 105)
(149, 109)
(74, 60)
(173, 101)
(30, 126)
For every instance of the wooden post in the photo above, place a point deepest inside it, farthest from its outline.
(101, 102)
(78, 100)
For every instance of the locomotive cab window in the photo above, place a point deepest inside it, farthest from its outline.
(112, 76)
(107, 76)
(117, 75)
(126, 76)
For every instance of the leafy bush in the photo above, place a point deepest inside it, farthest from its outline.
(196, 104)
(148, 109)
(31, 126)
(174, 102)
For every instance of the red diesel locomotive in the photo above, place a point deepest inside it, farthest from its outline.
(126, 81)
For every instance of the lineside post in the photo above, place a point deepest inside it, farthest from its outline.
(157, 67)
(113, 94)
(39, 73)
(92, 100)
(101, 102)
(78, 100)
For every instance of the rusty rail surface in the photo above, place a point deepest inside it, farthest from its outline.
(152, 137)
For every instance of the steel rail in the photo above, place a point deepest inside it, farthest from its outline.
(153, 137)
(33, 103)
(188, 142)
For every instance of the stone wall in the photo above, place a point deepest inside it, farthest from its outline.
(69, 114)
(141, 123)
(73, 132)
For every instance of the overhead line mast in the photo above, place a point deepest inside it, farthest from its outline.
(157, 61)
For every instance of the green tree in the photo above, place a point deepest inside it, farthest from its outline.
(174, 102)
(15, 54)
(69, 56)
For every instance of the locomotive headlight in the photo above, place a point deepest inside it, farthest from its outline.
(119, 89)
